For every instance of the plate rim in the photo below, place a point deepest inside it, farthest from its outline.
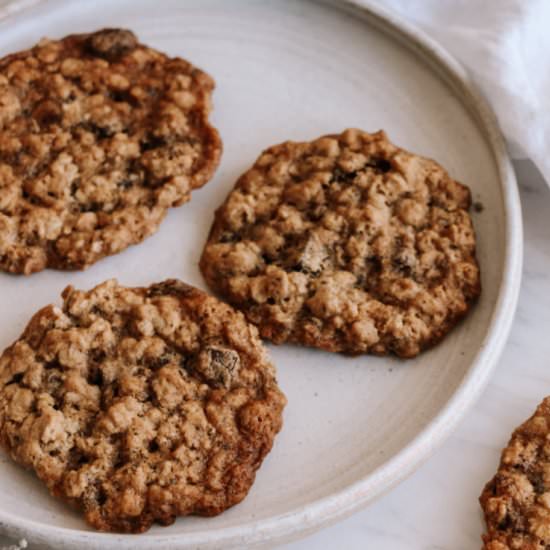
(327, 510)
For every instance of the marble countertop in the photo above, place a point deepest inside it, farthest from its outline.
(436, 508)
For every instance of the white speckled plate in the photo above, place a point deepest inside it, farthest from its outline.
(285, 69)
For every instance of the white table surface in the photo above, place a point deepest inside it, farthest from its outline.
(436, 508)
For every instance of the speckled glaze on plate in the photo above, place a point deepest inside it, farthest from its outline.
(356, 426)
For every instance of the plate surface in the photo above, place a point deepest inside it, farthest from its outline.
(296, 70)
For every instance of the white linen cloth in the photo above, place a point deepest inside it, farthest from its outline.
(505, 45)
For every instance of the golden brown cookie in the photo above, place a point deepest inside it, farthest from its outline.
(138, 405)
(346, 243)
(516, 502)
(99, 136)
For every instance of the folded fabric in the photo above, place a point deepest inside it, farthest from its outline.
(505, 45)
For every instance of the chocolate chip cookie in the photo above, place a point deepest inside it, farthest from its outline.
(346, 243)
(99, 136)
(516, 502)
(138, 405)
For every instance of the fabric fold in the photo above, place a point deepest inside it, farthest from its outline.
(505, 45)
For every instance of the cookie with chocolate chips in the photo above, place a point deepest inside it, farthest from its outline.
(346, 243)
(99, 136)
(516, 502)
(137, 405)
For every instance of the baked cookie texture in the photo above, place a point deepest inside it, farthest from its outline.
(99, 136)
(516, 502)
(138, 405)
(346, 243)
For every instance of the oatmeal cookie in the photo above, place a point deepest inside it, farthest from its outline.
(99, 136)
(516, 502)
(138, 405)
(346, 243)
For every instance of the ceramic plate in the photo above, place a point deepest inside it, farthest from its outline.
(296, 70)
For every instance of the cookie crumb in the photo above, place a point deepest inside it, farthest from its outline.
(478, 207)
(516, 501)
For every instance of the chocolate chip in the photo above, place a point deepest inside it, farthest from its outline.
(380, 164)
(95, 377)
(152, 142)
(339, 175)
(111, 44)
(15, 379)
(47, 112)
(375, 264)
(230, 237)
(217, 365)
